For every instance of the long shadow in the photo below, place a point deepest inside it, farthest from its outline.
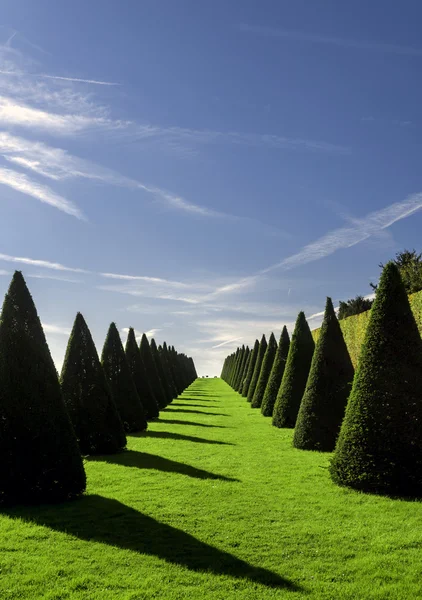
(193, 424)
(143, 460)
(200, 399)
(195, 412)
(190, 404)
(97, 519)
(178, 436)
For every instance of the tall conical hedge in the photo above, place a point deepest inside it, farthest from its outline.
(87, 395)
(276, 374)
(161, 372)
(152, 372)
(257, 368)
(40, 458)
(267, 365)
(251, 366)
(119, 377)
(327, 390)
(379, 448)
(139, 376)
(238, 374)
(295, 375)
(241, 374)
(163, 352)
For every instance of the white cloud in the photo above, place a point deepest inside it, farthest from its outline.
(22, 183)
(152, 332)
(56, 329)
(40, 263)
(226, 343)
(3, 272)
(77, 80)
(138, 334)
(55, 278)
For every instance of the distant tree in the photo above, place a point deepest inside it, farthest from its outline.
(163, 352)
(119, 377)
(267, 365)
(152, 373)
(354, 306)
(40, 458)
(409, 264)
(257, 368)
(327, 390)
(295, 375)
(379, 448)
(251, 366)
(87, 395)
(139, 376)
(242, 371)
(276, 374)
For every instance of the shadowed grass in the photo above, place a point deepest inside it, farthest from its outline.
(194, 412)
(143, 460)
(282, 530)
(170, 435)
(190, 423)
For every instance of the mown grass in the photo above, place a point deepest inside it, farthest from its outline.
(212, 502)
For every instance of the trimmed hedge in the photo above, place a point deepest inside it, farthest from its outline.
(354, 328)
(257, 369)
(267, 365)
(327, 390)
(251, 366)
(276, 374)
(380, 443)
(295, 376)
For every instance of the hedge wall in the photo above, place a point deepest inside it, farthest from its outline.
(354, 328)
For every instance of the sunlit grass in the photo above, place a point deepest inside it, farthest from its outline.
(212, 502)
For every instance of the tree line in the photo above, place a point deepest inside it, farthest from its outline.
(49, 422)
(372, 418)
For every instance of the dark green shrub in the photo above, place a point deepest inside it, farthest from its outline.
(119, 377)
(276, 374)
(379, 448)
(152, 373)
(251, 366)
(295, 375)
(140, 379)
(40, 458)
(161, 372)
(327, 390)
(87, 395)
(257, 368)
(267, 365)
(163, 352)
(242, 370)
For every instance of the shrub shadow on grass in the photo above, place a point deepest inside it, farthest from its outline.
(177, 436)
(195, 412)
(194, 399)
(191, 423)
(143, 460)
(97, 519)
(191, 404)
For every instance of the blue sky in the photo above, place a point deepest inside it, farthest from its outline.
(203, 171)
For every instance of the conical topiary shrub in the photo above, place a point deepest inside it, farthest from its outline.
(119, 377)
(242, 370)
(267, 365)
(152, 373)
(251, 366)
(163, 352)
(327, 390)
(161, 372)
(40, 458)
(276, 374)
(295, 375)
(257, 368)
(379, 448)
(140, 379)
(87, 395)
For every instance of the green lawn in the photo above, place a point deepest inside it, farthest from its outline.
(213, 502)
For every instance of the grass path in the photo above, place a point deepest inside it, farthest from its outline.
(212, 502)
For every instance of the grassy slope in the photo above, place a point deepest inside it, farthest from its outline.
(182, 501)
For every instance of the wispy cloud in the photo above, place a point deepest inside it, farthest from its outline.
(152, 332)
(300, 36)
(54, 277)
(226, 343)
(143, 278)
(77, 80)
(56, 329)
(22, 183)
(3, 272)
(40, 263)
